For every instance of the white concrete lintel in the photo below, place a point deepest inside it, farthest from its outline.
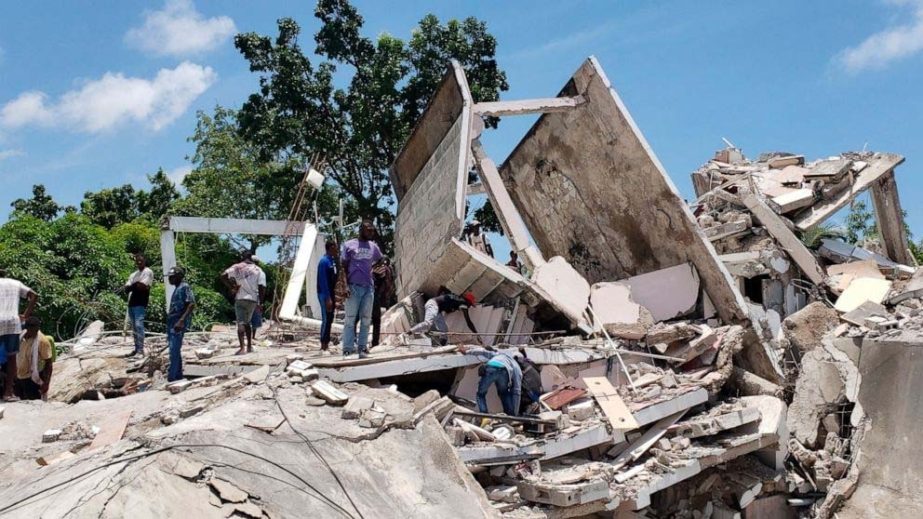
(528, 106)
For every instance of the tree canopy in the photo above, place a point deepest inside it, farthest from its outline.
(358, 102)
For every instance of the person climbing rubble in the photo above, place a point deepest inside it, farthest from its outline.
(501, 370)
(34, 362)
(247, 282)
(179, 317)
(138, 288)
(11, 291)
(436, 309)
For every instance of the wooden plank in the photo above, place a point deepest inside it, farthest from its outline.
(562, 396)
(111, 430)
(613, 406)
(890, 219)
(786, 238)
(646, 441)
(878, 166)
(528, 106)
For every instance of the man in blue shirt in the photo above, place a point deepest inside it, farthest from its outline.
(326, 286)
(501, 370)
(179, 317)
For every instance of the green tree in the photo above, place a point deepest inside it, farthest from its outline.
(158, 202)
(359, 128)
(111, 206)
(860, 222)
(41, 205)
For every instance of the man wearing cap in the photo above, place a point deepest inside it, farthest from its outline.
(11, 291)
(478, 240)
(34, 362)
(138, 288)
(179, 317)
(247, 282)
(435, 311)
(500, 370)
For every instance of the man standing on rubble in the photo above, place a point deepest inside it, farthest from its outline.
(435, 311)
(502, 371)
(326, 292)
(11, 291)
(179, 317)
(34, 362)
(358, 257)
(247, 282)
(138, 288)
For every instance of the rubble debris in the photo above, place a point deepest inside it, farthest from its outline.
(805, 328)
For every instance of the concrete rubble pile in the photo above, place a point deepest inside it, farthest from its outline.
(696, 361)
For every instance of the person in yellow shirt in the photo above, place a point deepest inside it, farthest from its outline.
(34, 362)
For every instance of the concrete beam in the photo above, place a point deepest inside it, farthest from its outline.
(786, 238)
(234, 226)
(528, 106)
(510, 219)
(890, 219)
(306, 256)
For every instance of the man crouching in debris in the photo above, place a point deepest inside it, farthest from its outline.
(435, 311)
(501, 370)
(178, 320)
(34, 362)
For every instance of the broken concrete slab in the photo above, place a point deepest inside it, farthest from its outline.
(617, 313)
(860, 291)
(585, 205)
(819, 388)
(667, 293)
(565, 285)
(843, 274)
(793, 201)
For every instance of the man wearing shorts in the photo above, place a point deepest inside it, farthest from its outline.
(11, 291)
(247, 282)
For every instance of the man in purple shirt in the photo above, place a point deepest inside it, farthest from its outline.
(358, 257)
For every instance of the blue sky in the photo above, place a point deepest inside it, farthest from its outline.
(97, 94)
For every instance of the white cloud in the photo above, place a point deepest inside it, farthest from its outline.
(178, 174)
(894, 43)
(113, 100)
(6, 154)
(179, 30)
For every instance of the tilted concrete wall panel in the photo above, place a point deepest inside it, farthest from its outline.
(591, 190)
(431, 211)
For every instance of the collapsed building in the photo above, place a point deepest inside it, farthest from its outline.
(697, 360)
